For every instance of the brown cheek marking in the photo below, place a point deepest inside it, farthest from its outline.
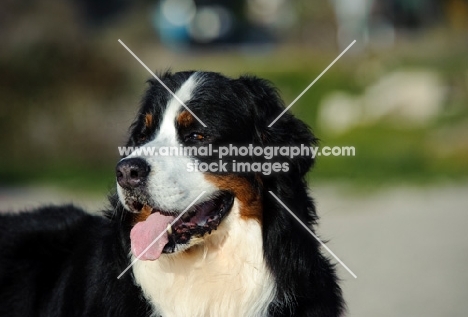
(251, 204)
(148, 120)
(142, 215)
(185, 118)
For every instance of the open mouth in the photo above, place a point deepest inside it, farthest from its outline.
(155, 234)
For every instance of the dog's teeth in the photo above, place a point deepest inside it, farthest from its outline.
(169, 228)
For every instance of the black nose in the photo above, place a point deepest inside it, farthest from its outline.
(132, 172)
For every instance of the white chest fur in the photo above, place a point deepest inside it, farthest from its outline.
(224, 276)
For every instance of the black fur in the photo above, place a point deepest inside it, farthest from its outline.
(289, 250)
(60, 261)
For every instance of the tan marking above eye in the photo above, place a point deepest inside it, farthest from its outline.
(148, 120)
(185, 118)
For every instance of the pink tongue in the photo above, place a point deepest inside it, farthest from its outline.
(144, 233)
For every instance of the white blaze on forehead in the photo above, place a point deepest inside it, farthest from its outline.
(167, 131)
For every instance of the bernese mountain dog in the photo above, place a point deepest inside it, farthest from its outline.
(196, 242)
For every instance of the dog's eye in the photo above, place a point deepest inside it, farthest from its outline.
(142, 136)
(195, 136)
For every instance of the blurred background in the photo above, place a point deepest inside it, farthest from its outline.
(395, 213)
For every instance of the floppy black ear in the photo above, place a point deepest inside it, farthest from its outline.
(305, 279)
(286, 131)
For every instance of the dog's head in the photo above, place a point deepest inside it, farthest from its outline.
(178, 184)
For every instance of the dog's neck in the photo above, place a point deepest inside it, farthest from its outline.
(225, 275)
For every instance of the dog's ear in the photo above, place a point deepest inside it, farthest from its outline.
(289, 186)
(286, 131)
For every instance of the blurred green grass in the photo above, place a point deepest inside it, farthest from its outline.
(71, 176)
(384, 154)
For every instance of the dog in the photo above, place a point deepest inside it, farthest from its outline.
(179, 240)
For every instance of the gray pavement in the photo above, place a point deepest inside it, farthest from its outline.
(407, 246)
